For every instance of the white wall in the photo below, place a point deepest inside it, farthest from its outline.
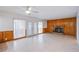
(6, 24)
(78, 26)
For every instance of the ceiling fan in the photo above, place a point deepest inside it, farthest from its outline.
(30, 10)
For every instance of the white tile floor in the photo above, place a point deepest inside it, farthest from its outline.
(50, 42)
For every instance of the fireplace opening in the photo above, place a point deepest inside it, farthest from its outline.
(59, 29)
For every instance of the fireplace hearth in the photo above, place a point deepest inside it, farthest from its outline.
(59, 29)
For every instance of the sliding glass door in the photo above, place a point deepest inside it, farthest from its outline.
(19, 28)
(40, 27)
(29, 28)
(34, 28)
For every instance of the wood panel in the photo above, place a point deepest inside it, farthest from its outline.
(69, 25)
(50, 25)
(1, 37)
(9, 35)
(6, 36)
(45, 30)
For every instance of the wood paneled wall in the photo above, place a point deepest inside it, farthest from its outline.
(1, 37)
(45, 30)
(69, 25)
(6, 36)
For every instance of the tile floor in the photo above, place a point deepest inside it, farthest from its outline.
(49, 42)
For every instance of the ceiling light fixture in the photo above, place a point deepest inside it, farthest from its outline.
(28, 12)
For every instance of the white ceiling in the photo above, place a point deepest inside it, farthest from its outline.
(44, 12)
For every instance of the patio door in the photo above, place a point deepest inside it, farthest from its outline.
(40, 27)
(19, 28)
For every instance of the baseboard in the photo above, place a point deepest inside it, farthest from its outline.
(34, 35)
(19, 38)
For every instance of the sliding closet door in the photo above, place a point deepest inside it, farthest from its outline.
(19, 28)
